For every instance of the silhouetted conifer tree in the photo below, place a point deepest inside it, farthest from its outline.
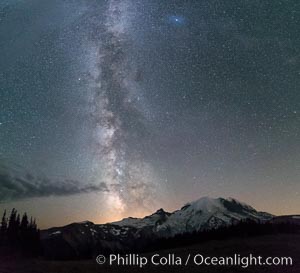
(3, 223)
(18, 221)
(3, 229)
(20, 234)
(24, 222)
(12, 230)
(24, 231)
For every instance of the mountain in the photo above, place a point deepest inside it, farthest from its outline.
(86, 238)
(205, 213)
(291, 219)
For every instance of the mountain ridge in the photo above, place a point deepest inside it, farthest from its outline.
(82, 239)
(196, 214)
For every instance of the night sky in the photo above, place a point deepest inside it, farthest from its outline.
(114, 108)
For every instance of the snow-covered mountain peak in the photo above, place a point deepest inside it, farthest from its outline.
(204, 213)
(208, 213)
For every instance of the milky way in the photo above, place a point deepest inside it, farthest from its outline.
(116, 104)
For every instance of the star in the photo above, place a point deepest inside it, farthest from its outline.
(177, 20)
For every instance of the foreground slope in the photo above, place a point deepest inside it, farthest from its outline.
(270, 245)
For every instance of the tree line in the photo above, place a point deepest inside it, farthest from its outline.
(243, 229)
(19, 233)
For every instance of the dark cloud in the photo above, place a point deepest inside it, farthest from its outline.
(16, 185)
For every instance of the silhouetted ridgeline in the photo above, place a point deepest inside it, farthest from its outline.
(244, 229)
(69, 243)
(19, 234)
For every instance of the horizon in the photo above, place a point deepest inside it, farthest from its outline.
(171, 210)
